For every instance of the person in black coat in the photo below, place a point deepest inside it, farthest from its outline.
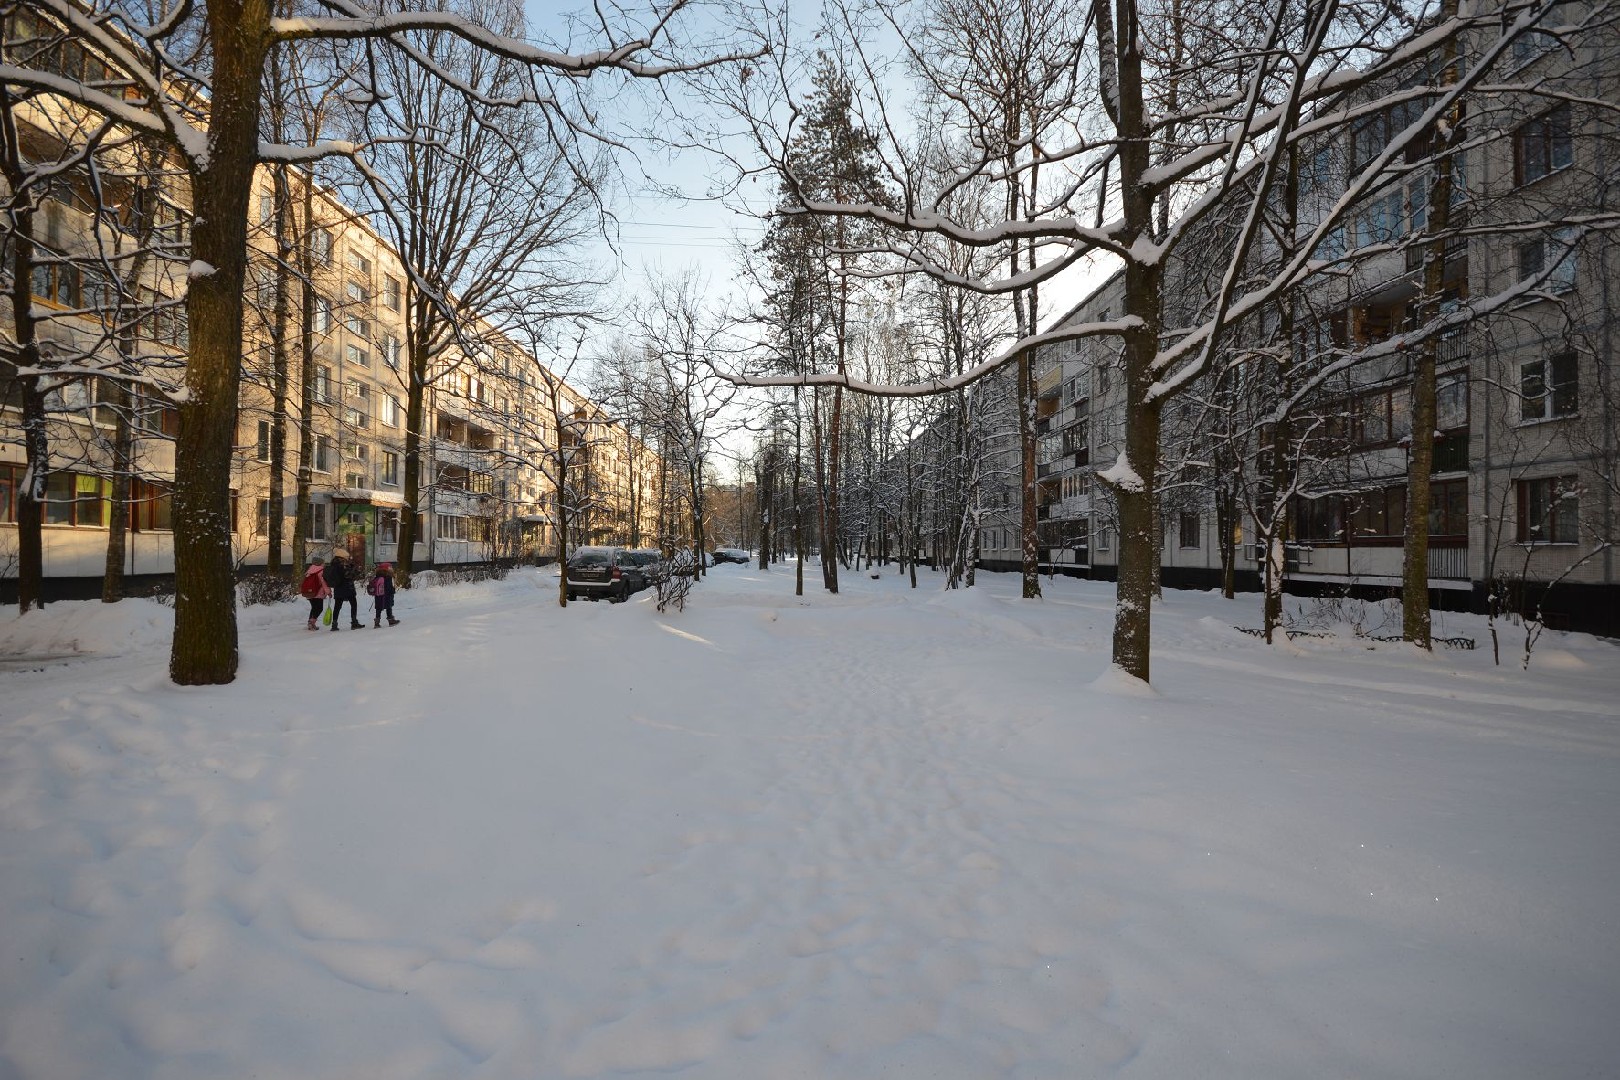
(342, 585)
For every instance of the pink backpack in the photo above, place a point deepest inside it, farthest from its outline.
(378, 587)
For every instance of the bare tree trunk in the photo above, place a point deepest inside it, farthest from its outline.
(415, 413)
(123, 453)
(798, 504)
(304, 512)
(36, 438)
(205, 641)
(1415, 622)
(1136, 492)
(280, 375)
(1029, 521)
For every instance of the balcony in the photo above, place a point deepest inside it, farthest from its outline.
(1451, 453)
(1449, 563)
(1050, 382)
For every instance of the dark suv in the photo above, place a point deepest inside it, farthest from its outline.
(596, 572)
(736, 555)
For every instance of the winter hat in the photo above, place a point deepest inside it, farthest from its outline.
(316, 560)
(340, 554)
(385, 566)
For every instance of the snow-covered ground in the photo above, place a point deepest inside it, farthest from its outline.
(884, 834)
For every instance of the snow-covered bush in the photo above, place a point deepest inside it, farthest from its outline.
(264, 589)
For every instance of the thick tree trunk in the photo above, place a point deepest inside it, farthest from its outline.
(36, 439)
(1137, 492)
(205, 641)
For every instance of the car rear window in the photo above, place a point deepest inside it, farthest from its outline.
(590, 558)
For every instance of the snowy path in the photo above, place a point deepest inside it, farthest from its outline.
(889, 833)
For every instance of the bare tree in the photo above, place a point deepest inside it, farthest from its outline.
(177, 58)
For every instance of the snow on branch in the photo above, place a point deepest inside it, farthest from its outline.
(942, 384)
(359, 23)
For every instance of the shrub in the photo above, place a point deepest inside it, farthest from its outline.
(672, 581)
(264, 589)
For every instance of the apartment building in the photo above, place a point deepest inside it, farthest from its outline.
(1523, 482)
(490, 457)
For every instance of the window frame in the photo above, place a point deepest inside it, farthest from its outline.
(1551, 134)
(1562, 514)
(1189, 531)
(1552, 382)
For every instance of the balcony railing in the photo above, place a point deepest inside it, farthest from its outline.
(1448, 562)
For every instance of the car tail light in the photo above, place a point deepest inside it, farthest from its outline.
(616, 573)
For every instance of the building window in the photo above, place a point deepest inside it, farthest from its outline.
(261, 520)
(267, 208)
(320, 246)
(150, 509)
(317, 521)
(390, 410)
(357, 326)
(262, 450)
(77, 499)
(1550, 387)
(57, 283)
(1531, 44)
(323, 454)
(1451, 402)
(323, 384)
(1448, 508)
(391, 293)
(1319, 519)
(1379, 514)
(357, 356)
(359, 263)
(1542, 145)
(10, 480)
(1535, 255)
(1549, 510)
(1105, 539)
(323, 315)
(390, 468)
(356, 292)
(451, 528)
(388, 526)
(390, 350)
(1380, 418)
(1191, 531)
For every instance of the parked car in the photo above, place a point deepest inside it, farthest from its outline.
(595, 572)
(643, 565)
(736, 555)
